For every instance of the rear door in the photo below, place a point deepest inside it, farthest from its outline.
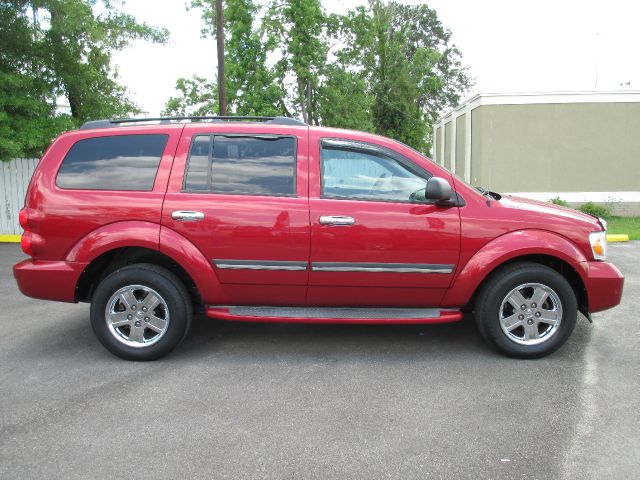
(371, 245)
(239, 193)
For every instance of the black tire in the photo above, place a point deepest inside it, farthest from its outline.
(489, 307)
(173, 294)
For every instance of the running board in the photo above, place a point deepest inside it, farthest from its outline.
(333, 314)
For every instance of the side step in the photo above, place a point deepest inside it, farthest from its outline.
(333, 314)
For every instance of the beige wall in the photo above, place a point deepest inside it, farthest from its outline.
(621, 209)
(573, 147)
(447, 146)
(436, 145)
(460, 137)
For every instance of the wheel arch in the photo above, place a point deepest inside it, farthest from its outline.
(111, 260)
(561, 266)
(538, 246)
(139, 241)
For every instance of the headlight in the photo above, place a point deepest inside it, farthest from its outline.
(598, 241)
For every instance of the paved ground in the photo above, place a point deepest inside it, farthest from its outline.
(295, 402)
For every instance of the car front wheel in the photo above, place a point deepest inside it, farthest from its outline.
(526, 310)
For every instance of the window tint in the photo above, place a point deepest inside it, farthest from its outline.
(242, 165)
(119, 162)
(348, 173)
(199, 173)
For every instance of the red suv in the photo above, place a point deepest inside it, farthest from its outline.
(271, 220)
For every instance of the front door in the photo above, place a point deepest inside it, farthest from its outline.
(371, 244)
(239, 194)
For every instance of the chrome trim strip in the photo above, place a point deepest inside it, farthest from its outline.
(259, 265)
(381, 267)
(333, 266)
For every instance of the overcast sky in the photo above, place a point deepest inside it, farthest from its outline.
(510, 46)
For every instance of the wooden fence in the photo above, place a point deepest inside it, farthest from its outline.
(14, 180)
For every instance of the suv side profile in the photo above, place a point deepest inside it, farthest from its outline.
(267, 219)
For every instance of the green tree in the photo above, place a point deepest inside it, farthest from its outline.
(79, 44)
(252, 87)
(197, 97)
(343, 100)
(27, 102)
(297, 27)
(412, 72)
(387, 67)
(60, 48)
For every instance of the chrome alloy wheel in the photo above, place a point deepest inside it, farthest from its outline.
(530, 314)
(137, 316)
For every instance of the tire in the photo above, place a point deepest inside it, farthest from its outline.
(141, 312)
(510, 319)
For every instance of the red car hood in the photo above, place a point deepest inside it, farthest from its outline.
(521, 203)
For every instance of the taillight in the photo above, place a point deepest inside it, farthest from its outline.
(23, 218)
(25, 243)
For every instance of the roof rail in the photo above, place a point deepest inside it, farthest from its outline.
(166, 120)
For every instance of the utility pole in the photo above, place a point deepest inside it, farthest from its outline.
(222, 90)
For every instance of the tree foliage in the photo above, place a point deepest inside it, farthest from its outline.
(252, 87)
(411, 70)
(55, 49)
(197, 97)
(296, 26)
(389, 68)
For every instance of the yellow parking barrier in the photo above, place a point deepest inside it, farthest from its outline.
(10, 238)
(613, 237)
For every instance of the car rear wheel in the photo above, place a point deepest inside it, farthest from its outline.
(141, 312)
(526, 310)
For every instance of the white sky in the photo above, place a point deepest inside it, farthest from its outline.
(510, 46)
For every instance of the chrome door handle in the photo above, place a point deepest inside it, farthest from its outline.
(187, 216)
(337, 220)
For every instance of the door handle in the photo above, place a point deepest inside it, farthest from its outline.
(187, 216)
(337, 220)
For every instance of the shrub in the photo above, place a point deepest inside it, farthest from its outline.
(591, 208)
(559, 201)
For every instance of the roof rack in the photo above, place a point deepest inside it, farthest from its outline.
(168, 120)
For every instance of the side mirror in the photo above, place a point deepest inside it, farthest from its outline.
(438, 190)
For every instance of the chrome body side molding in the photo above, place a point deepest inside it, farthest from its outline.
(334, 266)
(381, 267)
(259, 265)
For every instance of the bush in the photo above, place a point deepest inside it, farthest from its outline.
(559, 201)
(591, 208)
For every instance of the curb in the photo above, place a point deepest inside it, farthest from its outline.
(613, 237)
(10, 238)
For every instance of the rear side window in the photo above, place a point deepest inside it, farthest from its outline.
(119, 162)
(249, 165)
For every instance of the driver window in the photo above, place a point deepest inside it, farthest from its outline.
(348, 173)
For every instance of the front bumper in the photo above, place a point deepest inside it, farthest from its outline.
(604, 286)
(48, 280)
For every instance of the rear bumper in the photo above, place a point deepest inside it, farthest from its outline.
(604, 286)
(48, 280)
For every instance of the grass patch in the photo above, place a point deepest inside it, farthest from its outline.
(628, 225)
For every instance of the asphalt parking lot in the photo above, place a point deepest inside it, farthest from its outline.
(299, 401)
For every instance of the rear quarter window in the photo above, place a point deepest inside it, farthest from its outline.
(118, 162)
